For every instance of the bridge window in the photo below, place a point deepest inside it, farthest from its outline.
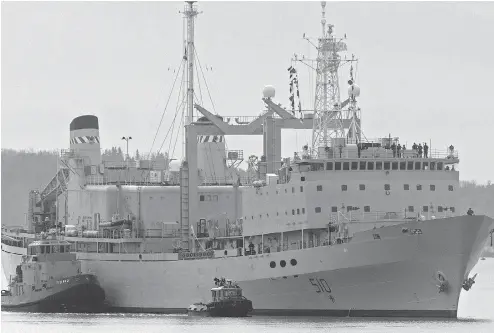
(419, 187)
(318, 209)
(406, 187)
(450, 187)
(316, 166)
(319, 188)
(403, 165)
(386, 165)
(354, 165)
(329, 166)
(344, 187)
(379, 165)
(394, 165)
(363, 165)
(334, 209)
(433, 187)
(439, 166)
(350, 208)
(293, 189)
(387, 187)
(425, 165)
(301, 188)
(48, 249)
(362, 187)
(452, 209)
(302, 179)
(367, 209)
(370, 165)
(201, 198)
(425, 209)
(410, 209)
(303, 210)
(298, 211)
(417, 165)
(293, 211)
(433, 166)
(346, 165)
(409, 165)
(439, 209)
(337, 165)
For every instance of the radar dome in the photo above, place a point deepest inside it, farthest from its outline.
(354, 90)
(268, 92)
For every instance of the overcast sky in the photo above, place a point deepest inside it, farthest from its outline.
(425, 69)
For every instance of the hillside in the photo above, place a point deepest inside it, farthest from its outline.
(23, 171)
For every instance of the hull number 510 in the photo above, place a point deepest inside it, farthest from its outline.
(320, 285)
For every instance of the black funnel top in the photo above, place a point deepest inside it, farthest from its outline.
(84, 122)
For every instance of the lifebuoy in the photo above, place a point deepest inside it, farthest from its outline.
(388, 192)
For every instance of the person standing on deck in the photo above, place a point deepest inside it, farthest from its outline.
(420, 149)
(426, 150)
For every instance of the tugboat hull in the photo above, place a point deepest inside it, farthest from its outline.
(221, 309)
(80, 294)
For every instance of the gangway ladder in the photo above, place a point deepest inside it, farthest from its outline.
(184, 209)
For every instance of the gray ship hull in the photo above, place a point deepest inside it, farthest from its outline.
(396, 275)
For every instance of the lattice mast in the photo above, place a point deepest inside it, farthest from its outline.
(328, 118)
(190, 12)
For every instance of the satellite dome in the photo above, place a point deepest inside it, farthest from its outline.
(268, 92)
(354, 90)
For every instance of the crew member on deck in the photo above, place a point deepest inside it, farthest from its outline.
(420, 149)
(398, 149)
(470, 212)
(426, 150)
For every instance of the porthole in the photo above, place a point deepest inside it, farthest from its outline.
(282, 263)
(293, 262)
(272, 264)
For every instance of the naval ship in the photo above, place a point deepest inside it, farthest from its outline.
(347, 226)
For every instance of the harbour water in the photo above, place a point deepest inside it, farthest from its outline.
(476, 314)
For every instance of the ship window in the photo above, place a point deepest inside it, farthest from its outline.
(334, 209)
(425, 209)
(362, 187)
(346, 165)
(272, 264)
(301, 188)
(319, 188)
(370, 165)
(367, 209)
(48, 249)
(349, 208)
(432, 187)
(329, 166)
(282, 263)
(318, 209)
(293, 211)
(410, 166)
(302, 179)
(410, 209)
(433, 166)
(379, 165)
(394, 165)
(303, 210)
(450, 187)
(386, 165)
(419, 187)
(387, 187)
(201, 198)
(293, 189)
(293, 262)
(452, 209)
(403, 165)
(337, 165)
(439, 209)
(363, 165)
(344, 187)
(354, 165)
(417, 165)
(298, 211)
(406, 187)
(425, 166)
(439, 165)
(286, 191)
(316, 166)
(208, 198)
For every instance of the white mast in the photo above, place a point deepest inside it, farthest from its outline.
(190, 13)
(328, 122)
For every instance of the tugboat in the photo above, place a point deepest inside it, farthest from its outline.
(49, 279)
(228, 301)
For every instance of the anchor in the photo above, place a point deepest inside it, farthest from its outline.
(468, 283)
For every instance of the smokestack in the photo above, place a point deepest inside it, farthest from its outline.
(85, 140)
